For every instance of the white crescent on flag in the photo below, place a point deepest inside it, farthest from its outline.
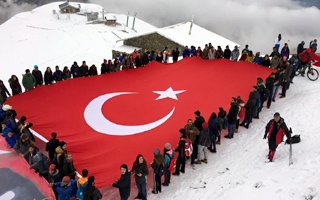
(96, 120)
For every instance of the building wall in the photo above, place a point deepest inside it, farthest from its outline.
(153, 41)
(69, 10)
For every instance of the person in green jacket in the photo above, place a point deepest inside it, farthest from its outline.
(28, 80)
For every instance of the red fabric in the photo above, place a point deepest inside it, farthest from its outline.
(242, 113)
(317, 64)
(279, 136)
(308, 55)
(209, 84)
(20, 166)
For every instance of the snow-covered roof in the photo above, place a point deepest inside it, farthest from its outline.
(110, 16)
(199, 36)
(125, 48)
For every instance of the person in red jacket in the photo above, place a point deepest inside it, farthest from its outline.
(275, 130)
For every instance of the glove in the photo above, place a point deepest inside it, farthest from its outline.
(264, 137)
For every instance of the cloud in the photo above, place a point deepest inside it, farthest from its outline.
(8, 8)
(252, 22)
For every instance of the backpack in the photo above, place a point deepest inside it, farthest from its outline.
(188, 148)
(80, 191)
(294, 139)
(172, 166)
(304, 56)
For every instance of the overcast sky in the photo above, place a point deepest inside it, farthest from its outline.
(253, 22)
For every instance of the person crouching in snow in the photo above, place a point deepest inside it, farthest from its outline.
(275, 130)
(168, 158)
(157, 166)
(124, 183)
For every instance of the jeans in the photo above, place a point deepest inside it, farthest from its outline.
(142, 188)
(202, 154)
(231, 129)
(275, 91)
(180, 165)
(167, 175)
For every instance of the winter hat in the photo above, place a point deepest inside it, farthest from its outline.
(167, 146)
(52, 167)
(156, 152)
(276, 114)
(6, 107)
(35, 66)
(124, 166)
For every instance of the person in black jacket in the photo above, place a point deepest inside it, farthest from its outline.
(37, 74)
(3, 91)
(270, 85)
(90, 192)
(52, 145)
(175, 54)
(222, 119)
(158, 167)
(48, 76)
(58, 74)
(93, 70)
(124, 183)
(84, 69)
(75, 70)
(140, 169)
(199, 120)
(15, 85)
(181, 159)
(232, 118)
(68, 167)
(227, 53)
(250, 105)
(104, 66)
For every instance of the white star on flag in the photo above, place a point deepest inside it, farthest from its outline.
(169, 93)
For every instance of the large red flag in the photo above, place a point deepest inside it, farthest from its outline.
(107, 120)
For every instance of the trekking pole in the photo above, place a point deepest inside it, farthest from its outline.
(290, 151)
(290, 155)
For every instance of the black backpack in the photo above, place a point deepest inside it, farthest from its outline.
(294, 139)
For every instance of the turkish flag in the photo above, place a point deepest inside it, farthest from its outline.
(107, 120)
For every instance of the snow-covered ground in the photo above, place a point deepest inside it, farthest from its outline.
(238, 170)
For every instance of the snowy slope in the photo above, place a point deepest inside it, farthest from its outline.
(47, 39)
(249, 177)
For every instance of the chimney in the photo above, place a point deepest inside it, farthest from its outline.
(134, 20)
(102, 13)
(127, 24)
(191, 24)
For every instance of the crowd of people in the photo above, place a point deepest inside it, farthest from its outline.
(276, 59)
(57, 168)
(197, 138)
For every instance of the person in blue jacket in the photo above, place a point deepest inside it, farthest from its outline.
(66, 189)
